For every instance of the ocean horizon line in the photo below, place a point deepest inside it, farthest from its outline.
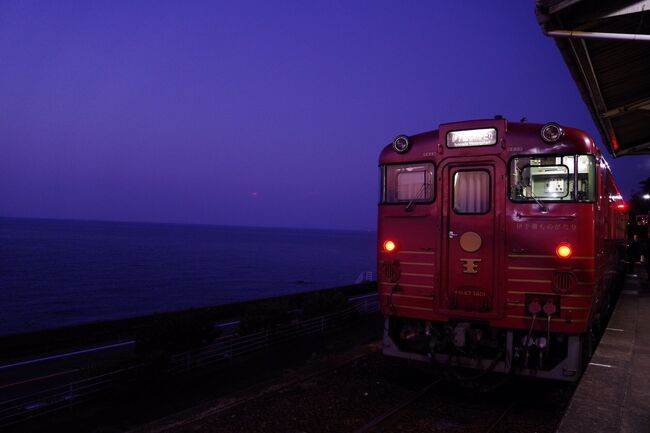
(175, 223)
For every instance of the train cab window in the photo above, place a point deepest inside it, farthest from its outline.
(567, 178)
(405, 183)
(472, 192)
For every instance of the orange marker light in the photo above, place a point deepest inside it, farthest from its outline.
(564, 251)
(390, 246)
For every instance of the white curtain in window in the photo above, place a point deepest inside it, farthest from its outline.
(472, 192)
(410, 185)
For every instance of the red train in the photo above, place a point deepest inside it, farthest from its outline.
(500, 246)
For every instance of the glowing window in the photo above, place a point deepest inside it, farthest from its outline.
(472, 137)
(404, 183)
(567, 178)
(586, 178)
(472, 192)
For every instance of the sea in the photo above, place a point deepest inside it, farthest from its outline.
(56, 273)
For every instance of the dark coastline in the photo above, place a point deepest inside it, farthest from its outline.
(42, 343)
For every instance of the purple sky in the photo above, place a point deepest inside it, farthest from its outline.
(254, 113)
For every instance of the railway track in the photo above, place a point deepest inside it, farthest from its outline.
(497, 422)
(386, 416)
(383, 421)
(359, 395)
(445, 408)
(186, 419)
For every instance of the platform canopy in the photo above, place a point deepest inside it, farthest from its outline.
(606, 45)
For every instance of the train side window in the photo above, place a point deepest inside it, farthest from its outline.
(586, 178)
(404, 183)
(569, 163)
(472, 192)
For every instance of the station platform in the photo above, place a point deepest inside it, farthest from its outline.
(614, 393)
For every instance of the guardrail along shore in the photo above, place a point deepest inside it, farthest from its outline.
(172, 344)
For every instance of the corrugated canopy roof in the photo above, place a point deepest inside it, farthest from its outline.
(606, 45)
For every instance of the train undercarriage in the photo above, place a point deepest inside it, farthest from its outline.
(476, 346)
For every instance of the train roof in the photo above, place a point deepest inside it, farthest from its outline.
(511, 138)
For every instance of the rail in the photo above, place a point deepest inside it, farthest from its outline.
(233, 346)
(224, 349)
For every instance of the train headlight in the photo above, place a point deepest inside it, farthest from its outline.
(401, 144)
(552, 132)
(564, 250)
(390, 246)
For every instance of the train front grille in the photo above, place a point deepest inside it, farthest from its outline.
(564, 282)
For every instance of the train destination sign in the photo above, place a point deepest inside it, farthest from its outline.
(472, 137)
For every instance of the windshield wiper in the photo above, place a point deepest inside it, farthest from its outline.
(540, 203)
(409, 206)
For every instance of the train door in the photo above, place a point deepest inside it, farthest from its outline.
(472, 238)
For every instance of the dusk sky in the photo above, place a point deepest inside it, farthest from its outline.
(254, 112)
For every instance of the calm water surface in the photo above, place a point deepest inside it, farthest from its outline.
(55, 273)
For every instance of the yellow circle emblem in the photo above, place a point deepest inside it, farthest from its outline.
(470, 242)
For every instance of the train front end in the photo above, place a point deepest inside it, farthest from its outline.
(487, 240)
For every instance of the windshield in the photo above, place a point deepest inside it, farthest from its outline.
(553, 178)
(407, 183)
